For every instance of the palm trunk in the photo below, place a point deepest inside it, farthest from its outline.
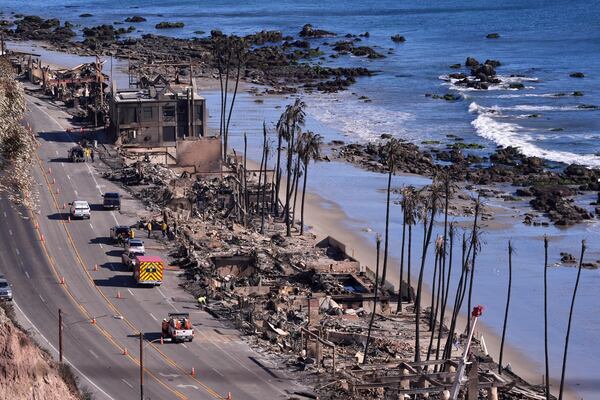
(288, 194)
(374, 302)
(245, 180)
(278, 176)
(433, 286)
(263, 167)
(387, 226)
(408, 278)
(474, 242)
(427, 239)
(564, 363)
(399, 308)
(296, 182)
(433, 317)
(510, 251)
(445, 302)
(303, 196)
(546, 359)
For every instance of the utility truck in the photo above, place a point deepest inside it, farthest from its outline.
(178, 327)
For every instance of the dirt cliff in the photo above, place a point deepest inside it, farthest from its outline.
(26, 371)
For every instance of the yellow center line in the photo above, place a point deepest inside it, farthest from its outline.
(170, 361)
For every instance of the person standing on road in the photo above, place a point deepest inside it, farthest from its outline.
(149, 227)
(163, 228)
(92, 154)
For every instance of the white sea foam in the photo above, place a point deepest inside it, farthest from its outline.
(474, 107)
(357, 119)
(510, 134)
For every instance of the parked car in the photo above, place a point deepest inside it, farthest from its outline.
(80, 209)
(120, 233)
(128, 258)
(5, 290)
(135, 246)
(112, 200)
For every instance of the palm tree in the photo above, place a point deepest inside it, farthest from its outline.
(376, 285)
(546, 359)
(510, 251)
(294, 121)
(430, 206)
(439, 339)
(435, 299)
(310, 149)
(282, 131)
(391, 151)
(564, 364)
(409, 218)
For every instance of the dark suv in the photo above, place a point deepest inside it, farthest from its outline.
(112, 200)
(5, 289)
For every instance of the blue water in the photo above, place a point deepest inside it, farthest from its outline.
(542, 40)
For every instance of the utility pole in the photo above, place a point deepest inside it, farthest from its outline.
(141, 366)
(60, 334)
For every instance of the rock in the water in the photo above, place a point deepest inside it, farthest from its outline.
(471, 62)
(493, 35)
(398, 38)
(309, 32)
(169, 25)
(135, 18)
(577, 75)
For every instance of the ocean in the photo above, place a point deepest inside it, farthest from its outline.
(541, 43)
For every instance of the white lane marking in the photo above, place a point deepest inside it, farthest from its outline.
(56, 351)
(62, 164)
(218, 373)
(114, 217)
(129, 290)
(68, 177)
(41, 298)
(93, 177)
(18, 252)
(91, 226)
(127, 383)
(75, 191)
(167, 299)
(188, 386)
(152, 315)
(4, 212)
(27, 274)
(10, 232)
(94, 354)
(56, 152)
(183, 344)
(101, 245)
(168, 375)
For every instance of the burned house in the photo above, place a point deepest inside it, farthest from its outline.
(157, 116)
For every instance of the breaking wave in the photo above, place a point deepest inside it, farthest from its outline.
(357, 119)
(510, 134)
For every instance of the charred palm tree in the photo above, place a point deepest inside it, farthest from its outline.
(439, 339)
(510, 252)
(375, 291)
(310, 150)
(546, 358)
(474, 248)
(439, 250)
(410, 199)
(564, 363)
(282, 128)
(295, 121)
(391, 151)
(430, 210)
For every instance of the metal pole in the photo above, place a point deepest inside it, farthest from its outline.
(60, 341)
(141, 366)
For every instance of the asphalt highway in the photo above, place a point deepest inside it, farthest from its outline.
(103, 309)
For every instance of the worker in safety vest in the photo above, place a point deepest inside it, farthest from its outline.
(131, 233)
(149, 227)
(163, 228)
(201, 301)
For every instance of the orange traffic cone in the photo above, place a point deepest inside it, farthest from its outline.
(57, 190)
(95, 267)
(36, 225)
(62, 280)
(193, 373)
(54, 181)
(64, 206)
(68, 219)
(42, 238)
(118, 294)
(228, 396)
(93, 321)
(49, 170)
(125, 351)
(162, 341)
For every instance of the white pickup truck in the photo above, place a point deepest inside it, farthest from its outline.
(178, 327)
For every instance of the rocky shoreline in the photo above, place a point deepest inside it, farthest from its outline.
(552, 190)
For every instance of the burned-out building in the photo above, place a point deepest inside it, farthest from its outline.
(157, 116)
